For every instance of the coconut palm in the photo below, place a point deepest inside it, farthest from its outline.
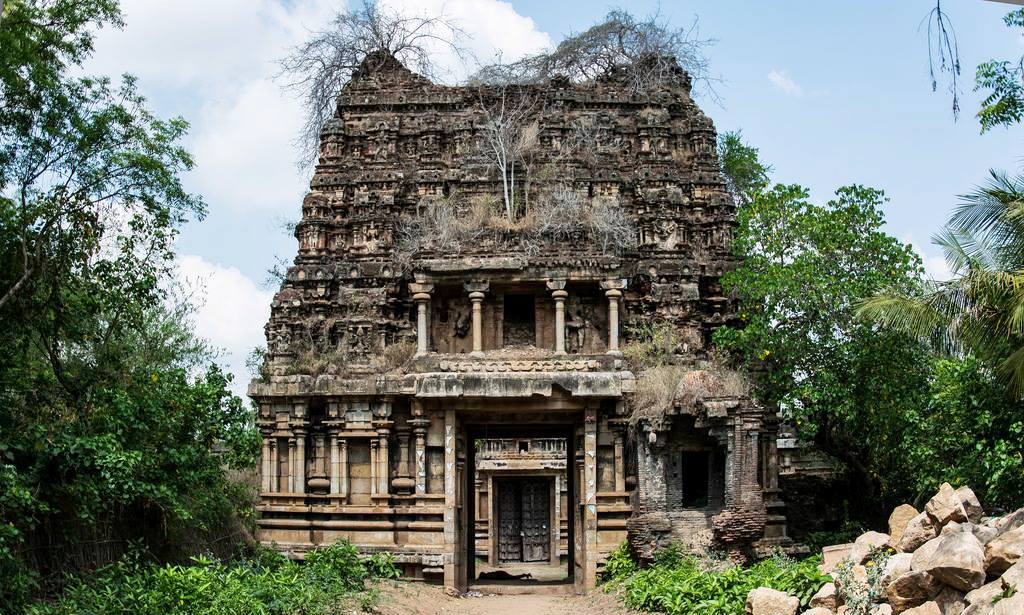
(981, 309)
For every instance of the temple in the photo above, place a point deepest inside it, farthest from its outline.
(445, 377)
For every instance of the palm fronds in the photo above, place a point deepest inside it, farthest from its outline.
(980, 310)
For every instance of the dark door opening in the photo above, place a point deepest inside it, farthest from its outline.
(519, 325)
(523, 520)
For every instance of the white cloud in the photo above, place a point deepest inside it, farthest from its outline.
(231, 311)
(781, 80)
(492, 28)
(244, 154)
(935, 266)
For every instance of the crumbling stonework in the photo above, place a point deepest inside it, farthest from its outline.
(387, 352)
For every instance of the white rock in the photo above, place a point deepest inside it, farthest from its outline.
(972, 507)
(911, 589)
(928, 608)
(919, 530)
(898, 520)
(1004, 550)
(1014, 605)
(957, 559)
(826, 597)
(767, 601)
(945, 506)
(865, 544)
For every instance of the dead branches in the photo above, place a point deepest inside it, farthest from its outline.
(358, 37)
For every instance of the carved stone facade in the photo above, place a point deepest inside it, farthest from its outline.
(382, 372)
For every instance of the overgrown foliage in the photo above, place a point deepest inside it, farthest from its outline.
(1002, 82)
(266, 584)
(681, 584)
(559, 214)
(114, 425)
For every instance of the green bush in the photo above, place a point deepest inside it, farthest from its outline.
(266, 584)
(679, 584)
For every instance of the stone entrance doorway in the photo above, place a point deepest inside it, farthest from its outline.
(524, 519)
(519, 512)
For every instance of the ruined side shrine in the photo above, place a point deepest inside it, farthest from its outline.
(392, 372)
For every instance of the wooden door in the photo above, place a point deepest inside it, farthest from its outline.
(510, 545)
(536, 516)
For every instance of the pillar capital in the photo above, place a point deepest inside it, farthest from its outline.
(476, 286)
(618, 284)
(419, 288)
(555, 285)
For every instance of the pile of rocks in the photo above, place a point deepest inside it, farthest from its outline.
(948, 559)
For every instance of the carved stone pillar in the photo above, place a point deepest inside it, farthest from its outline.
(590, 498)
(477, 291)
(275, 483)
(421, 295)
(557, 288)
(265, 464)
(343, 468)
(291, 465)
(383, 460)
(335, 465)
(419, 430)
(403, 482)
(300, 462)
(374, 481)
(620, 463)
(613, 290)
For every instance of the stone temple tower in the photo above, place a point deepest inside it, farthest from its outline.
(438, 369)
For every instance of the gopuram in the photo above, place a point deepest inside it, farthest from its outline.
(448, 373)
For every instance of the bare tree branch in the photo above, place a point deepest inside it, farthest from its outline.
(359, 37)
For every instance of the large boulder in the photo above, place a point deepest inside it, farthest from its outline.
(865, 544)
(1010, 521)
(979, 601)
(1014, 577)
(767, 601)
(897, 564)
(818, 610)
(957, 559)
(898, 520)
(928, 608)
(945, 506)
(826, 597)
(918, 531)
(911, 589)
(972, 507)
(951, 601)
(1004, 550)
(1014, 605)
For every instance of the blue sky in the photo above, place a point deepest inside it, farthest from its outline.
(831, 92)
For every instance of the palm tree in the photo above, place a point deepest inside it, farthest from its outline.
(981, 309)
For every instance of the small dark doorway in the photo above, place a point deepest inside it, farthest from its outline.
(519, 325)
(524, 516)
(696, 478)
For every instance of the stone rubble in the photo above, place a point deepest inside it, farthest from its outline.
(948, 559)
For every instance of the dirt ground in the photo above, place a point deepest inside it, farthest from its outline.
(419, 599)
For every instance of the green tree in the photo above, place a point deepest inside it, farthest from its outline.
(1002, 82)
(113, 422)
(842, 382)
(970, 432)
(745, 174)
